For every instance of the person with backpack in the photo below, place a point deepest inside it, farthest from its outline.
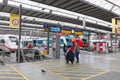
(77, 51)
(70, 54)
(64, 49)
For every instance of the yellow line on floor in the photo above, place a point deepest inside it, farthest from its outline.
(67, 78)
(7, 73)
(106, 71)
(10, 77)
(19, 72)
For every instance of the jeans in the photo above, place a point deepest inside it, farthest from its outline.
(77, 56)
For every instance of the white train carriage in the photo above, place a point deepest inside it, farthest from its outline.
(8, 43)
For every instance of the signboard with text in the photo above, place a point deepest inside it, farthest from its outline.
(55, 29)
(64, 29)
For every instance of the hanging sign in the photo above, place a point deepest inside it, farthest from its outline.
(14, 20)
(113, 25)
(55, 29)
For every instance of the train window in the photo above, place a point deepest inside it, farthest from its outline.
(67, 39)
(2, 41)
(13, 39)
(62, 40)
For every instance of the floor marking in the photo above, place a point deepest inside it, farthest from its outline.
(19, 72)
(106, 71)
(67, 78)
(7, 73)
(73, 67)
(75, 74)
(11, 77)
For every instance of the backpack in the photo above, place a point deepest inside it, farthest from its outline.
(64, 48)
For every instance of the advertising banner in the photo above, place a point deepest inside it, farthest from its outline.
(113, 25)
(118, 26)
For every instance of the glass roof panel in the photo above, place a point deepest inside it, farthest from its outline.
(116, 10)
(101, 3)
(116, 2)
(107, 4)
(1, 1)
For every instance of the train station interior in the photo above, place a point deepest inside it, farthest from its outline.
(59, 40)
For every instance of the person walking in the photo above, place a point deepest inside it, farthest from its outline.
(77, 51)
(70, 54)
(64, 49)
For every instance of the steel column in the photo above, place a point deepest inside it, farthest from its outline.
(19, 40)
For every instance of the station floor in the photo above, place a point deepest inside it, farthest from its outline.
(92, 66)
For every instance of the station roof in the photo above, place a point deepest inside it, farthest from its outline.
(77, 6)
(95, 8)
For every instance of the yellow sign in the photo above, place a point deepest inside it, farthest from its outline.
(78, 33)
(118, 26)
(14, 20)
(45, 29)
(44, 52)
(65, 31)
(113, 25)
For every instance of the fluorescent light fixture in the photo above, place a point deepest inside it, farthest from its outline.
(3, 26)
(13, 3)
(90, 20)
(4, 14)
(100, 23)
(64, 15)
(28, 24)
(79, 26)
(1, 21)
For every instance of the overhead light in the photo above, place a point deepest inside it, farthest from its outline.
(90, 20)
(64, 15)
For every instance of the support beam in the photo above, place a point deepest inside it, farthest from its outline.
(20, 13)
(5, 2)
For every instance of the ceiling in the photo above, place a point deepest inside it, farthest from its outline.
(33, 13)
(82, 7)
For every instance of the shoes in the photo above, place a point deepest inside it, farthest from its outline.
(67, 62)
(77, 62)
(72, 62)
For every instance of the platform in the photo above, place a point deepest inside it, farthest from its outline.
(91, 67)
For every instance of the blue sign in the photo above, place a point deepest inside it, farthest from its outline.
(55, 29)
(45, 25)
(85, 33)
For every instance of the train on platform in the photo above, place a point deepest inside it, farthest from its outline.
(9, 42)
